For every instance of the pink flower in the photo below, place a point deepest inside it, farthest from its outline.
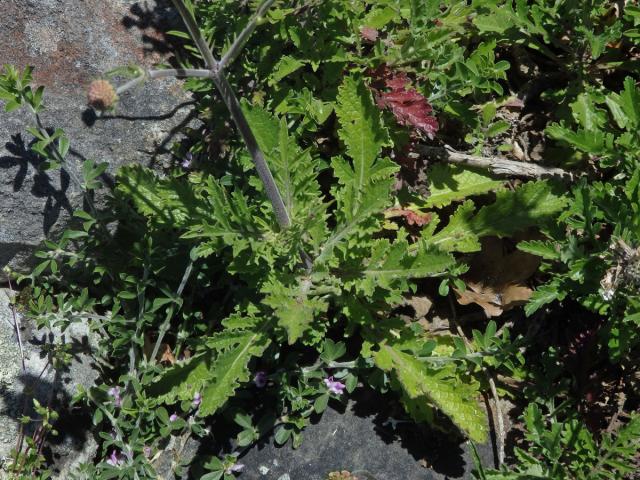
(187, 162)
(115, 393)
(197, 400)
(173, 417)
(236, 467)
(114, 459)
(260, 379)
(334, 386)
(369, 34)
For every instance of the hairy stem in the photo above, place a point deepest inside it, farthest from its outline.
(230, 99)
(196, 34)
(242, 39)
(272, 191)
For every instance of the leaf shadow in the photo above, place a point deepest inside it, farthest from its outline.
(29, 163)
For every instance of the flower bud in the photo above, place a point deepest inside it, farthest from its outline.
(101, 95)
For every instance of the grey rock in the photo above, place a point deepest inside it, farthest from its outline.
(366, 441)
(54, 387)
(70, 43)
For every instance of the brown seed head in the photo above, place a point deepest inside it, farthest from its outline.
(343, 475)
(101, 95)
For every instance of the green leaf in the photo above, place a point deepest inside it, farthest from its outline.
(379, 17)
(541, 248)
(230, 369)
(543, 295)
(294, 170)
(332, 351)
(590, 141)
(448, 183)
(497, 128)
(531, 204)
(293, 307)
(363, 134)
(216, 375)
(391, 265)
(458, 401)
(286, 66)
(320, 404)
(625, 107)
(587, 114)
(282, 435)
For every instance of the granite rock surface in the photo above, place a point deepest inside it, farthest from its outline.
(20, 385)
(70, 43)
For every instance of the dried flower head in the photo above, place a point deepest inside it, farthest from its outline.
(101, 95)
(343, 475)
(369, 34)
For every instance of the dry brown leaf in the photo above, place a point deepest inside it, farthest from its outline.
(496, 277)
(165, 354)
(420, 304)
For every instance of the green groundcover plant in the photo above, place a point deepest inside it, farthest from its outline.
(263, 275)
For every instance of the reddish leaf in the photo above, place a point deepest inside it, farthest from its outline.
(418, 219)
(369, 34)
(409, 106)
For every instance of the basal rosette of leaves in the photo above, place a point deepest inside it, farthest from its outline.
(351, 271)
(209, 309)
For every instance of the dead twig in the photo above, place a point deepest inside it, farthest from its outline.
(496, 165)
(16, 326)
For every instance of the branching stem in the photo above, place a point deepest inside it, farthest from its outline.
(242, 39)
(232, 103)
(196, 34)
(271, 189)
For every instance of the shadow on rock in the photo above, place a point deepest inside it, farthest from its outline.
(363, 437)
(42, 185)
(72, 425)
(154, 22)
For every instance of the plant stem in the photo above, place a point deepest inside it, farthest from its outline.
(16, 326)
(271, 189)
(242, 39)
(165, 73)
(196, 35)
(230, 99)
(165, 325)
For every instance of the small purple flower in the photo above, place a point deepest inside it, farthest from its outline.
(188, 161)
(334, 386)
(235, 468)
(115, 393)
(114, 459)
(260, 379)
(197, 400)
(147, 451)
(173, 417)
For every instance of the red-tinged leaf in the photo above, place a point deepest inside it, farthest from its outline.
(418, 219)
(369, 34)
(409, 106)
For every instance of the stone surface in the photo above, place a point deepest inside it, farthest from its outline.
(70, 43)
(367, 442)
(52, 387)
